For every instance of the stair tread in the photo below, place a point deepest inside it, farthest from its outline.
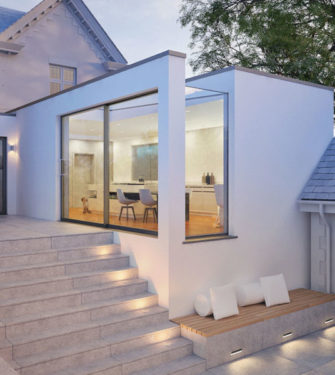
(62, 262)
(73, 309)
(61, 278)
(171, 367)
(115, 318)
(147, 351)
(51, 251)
(71, 292)
(87, 346)
(4, 343)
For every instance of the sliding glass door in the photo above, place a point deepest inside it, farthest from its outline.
(110, 165)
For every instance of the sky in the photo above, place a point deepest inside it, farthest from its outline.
(139, 28)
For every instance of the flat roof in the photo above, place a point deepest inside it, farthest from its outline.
(177, 54)
(260, 73)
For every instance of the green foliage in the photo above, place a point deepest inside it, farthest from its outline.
(294, 38)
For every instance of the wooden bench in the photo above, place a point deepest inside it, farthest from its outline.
(257, 326)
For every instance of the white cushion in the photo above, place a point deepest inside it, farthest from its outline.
(224, 302)
(202, 304)
(275, 290)
(249, 294)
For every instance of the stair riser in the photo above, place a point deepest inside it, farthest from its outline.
(36, 326)
(145, 321)
(32, 244)
(84, 335)
(82, 240)
(40, 306)
(105, 276)
(76, 298)
(156, 359)
(32, 274)
(88, 252)
(127, 290)
(28, 329)
(134, 304)
(70, 361)
(6, 354)
(149, 339)
(96, 265)
(36, 289)
(22, 260)
(56, 342)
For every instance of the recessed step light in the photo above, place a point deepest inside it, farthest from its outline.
(287, 334)
(330, 320)
(235, 352)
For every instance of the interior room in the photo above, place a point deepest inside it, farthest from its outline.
(133, 164)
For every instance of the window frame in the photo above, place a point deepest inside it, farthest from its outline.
(61, 80)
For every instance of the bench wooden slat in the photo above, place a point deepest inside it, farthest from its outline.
(207, 326)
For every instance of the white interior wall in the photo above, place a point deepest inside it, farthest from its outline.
(8, 128)
(278, 131)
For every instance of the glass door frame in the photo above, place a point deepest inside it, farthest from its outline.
(3, 141)
(106, 143)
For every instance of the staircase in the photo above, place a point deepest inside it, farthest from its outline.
(72, 305)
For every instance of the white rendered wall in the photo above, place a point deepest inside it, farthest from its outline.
(56, 38)
(39, 152)
(278, 132)
(8, 128)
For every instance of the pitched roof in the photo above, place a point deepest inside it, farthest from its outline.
(79, 10)
(321, 185)
(8, 17)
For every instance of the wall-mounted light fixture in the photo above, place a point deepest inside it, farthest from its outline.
(328, 321)
(11, 147)
(287, 334)
(235, 352)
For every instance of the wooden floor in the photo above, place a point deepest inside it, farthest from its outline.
(197, 225)
(207, 326)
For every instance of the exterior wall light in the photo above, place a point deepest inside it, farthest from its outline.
(328, 321)
(11, 147)
(235, 352)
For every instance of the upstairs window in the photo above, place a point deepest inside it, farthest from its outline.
(61, 78)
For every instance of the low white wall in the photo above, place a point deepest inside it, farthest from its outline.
(8, 128)
(278, 132)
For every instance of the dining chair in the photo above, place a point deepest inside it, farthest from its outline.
(125, 202)
(148, 201)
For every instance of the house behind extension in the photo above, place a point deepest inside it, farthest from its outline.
(54, 46)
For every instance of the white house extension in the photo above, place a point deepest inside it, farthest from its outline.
(269, 134)
(129, 190)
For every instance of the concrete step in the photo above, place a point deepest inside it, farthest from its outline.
(189, 365)
(56, 242)
(154, 355)
(6, 349)
(31, 324)
(146, 357)
(83, 354)
(85, 332)
(32, 257)
(42, 286)
(75, 297)
(61, 268)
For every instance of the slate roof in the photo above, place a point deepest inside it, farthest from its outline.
(8, 17)
(321, 185)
